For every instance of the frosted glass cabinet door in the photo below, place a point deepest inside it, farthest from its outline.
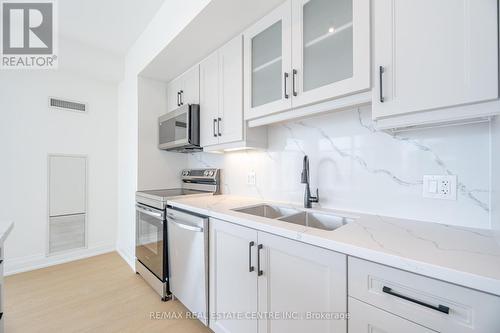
(267, 63)
(331, 49)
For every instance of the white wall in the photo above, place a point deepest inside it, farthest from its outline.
(359, 169)
(29, 131)
(172, 17)
(495, 173)
(157, 168)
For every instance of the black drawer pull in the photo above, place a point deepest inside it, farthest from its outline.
(440, 308)
(250, 267)
(259, 271)
(381, 71)
(294, 77)
(285, 79)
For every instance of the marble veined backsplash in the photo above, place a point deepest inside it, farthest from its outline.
(361, 169)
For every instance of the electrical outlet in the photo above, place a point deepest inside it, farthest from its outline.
(251, 178)
(440, 187)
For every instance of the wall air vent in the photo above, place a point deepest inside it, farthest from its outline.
(61, 104)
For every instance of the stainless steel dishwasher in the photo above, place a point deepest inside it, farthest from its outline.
(188, 259)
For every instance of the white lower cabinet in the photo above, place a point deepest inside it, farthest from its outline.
(273, 284)
(364, 318)
(440, 306)
(233, 288)
(302, 281)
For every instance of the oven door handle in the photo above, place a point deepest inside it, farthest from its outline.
(185, 226)
(149, 212)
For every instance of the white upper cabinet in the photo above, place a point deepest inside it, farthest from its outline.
(231, 91)
(331, 49)
(221, 101)
(209, 100)
(173, 92)
(305, 52)
(184, 89)
(433, 54)
(268, 50)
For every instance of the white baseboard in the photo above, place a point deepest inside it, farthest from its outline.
(127, 256)
(29, 263)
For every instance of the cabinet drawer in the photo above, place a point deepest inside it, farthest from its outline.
(438, 305)
(364, 318)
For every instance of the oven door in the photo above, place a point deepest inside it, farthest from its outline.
(174, 128)
(149, 248)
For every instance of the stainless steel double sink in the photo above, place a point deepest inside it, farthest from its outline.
(318, 220)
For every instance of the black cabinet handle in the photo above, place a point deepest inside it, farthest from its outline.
(294, 77)
(381, 82)
(1, 315)
(250, 267)
(215, 122)
(440, 308)
(181, 92)
(285, 79)
(218, 126)
(178, 99)
(259, 271)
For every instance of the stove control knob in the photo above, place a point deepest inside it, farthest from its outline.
(211, 173)
(185, 173)
(205, 173)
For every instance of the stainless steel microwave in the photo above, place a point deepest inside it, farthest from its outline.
(179, 130)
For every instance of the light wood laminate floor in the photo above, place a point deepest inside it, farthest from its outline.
(98, 294)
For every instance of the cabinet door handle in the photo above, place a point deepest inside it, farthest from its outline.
(381, 71)
(294, 78)
(218, 126)
(250, 267)
(259, 271)
(215, 122)
(181, 92)
(285, 79)
(178, 99)
(440, 308)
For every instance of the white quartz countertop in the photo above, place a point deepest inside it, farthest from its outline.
(464, 256)
(5, 229)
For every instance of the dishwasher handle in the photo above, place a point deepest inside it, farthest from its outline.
(184, 226)
(149, 211)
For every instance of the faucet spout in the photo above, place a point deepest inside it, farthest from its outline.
(308, 198)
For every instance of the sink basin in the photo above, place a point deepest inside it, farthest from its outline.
(269, 211)
(321, 221)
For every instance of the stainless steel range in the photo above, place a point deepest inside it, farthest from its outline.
(151, 224)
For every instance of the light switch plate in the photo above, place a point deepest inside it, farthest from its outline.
(440, 187)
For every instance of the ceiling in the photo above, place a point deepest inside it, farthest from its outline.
(216, 24)
(110, 25)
